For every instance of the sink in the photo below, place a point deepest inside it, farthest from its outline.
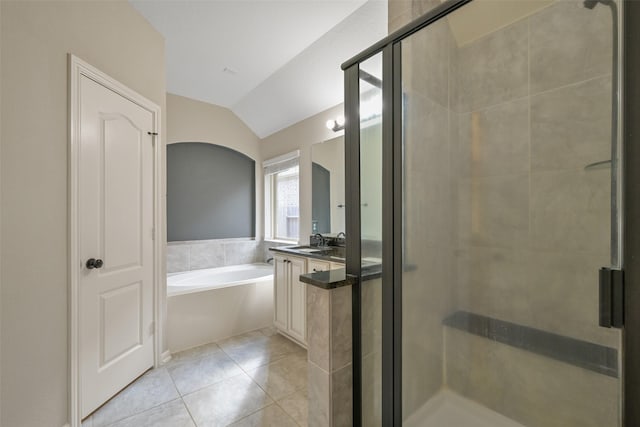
(308, 250)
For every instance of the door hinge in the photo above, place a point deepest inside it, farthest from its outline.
(611, 298)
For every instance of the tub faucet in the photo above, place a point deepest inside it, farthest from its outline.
(269, 260)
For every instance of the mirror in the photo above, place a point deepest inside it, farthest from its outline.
(327, 175)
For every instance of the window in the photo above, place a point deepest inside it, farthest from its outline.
(282, 201)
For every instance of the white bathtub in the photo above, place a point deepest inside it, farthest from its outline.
(217, 278)
(208, 305)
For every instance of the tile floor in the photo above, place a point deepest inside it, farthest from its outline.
(257, 379)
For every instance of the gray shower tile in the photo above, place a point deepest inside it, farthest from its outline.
(426, 136)
(494, 69)
(494, 141)
(571, 126)
(177, 258)
(494, 211)
(427, 211)
(518, 383)
(562, 293)
(207, 255)
(319, 405)
(342, 397)
(152, 389)
(487, 277)
(372, 389)
(225, 402)
(571, 211)
(319, 326)
(420, 7)
(341, 331)
(426, 54)
(372, 317)
(425, 303)
(172, 414)
(569, 44)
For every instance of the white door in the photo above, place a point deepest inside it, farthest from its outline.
(280, 290)
(297, 300)
(115, 223)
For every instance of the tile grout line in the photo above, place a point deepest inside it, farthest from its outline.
(246, 372)
(182, 398)
(200, 357)
(135, 413)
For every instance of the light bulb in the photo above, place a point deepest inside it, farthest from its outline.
(330, 124)
(340, 120)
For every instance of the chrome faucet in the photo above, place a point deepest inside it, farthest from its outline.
(344, 236)
(320, 237)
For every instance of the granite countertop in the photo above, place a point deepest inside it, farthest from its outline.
(331, 279)
(331, 253)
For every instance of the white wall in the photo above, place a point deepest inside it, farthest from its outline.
(302, 136)
(35, 39)
(189, 120)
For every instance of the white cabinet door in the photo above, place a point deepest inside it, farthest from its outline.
(281, 291)
(297, 300)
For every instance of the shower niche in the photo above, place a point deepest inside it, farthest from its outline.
(500, 165)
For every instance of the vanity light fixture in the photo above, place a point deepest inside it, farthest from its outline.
(336, 124)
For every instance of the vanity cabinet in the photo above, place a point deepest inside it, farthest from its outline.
(290, 294)
(315, 265)
(290, 297)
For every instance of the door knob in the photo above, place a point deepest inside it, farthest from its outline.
(94, 263)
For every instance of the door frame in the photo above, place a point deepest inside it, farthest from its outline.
(77, 69)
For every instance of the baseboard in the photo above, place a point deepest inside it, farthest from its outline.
(165, 357)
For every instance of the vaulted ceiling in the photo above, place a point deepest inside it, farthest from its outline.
(272, 62)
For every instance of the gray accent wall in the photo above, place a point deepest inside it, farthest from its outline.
(210, 192)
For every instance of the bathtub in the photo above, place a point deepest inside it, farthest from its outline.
(208, 305)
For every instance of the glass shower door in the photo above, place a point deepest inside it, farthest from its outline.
(506, 133)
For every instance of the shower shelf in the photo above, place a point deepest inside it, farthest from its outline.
(587, 355)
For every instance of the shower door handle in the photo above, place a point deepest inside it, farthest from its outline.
(611, 291)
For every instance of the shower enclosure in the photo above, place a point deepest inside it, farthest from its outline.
(484, 197)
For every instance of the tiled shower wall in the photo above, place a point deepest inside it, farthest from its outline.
(198, 254)
(502, 219)
(534, 108)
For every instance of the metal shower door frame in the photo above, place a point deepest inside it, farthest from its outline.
(626, 215)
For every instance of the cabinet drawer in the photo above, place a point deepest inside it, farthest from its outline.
(315, 265)
(336, 265)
